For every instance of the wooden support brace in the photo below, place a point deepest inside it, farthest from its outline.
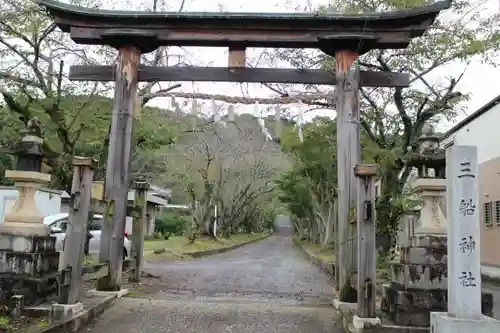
(64, 282)
(365, 170)
(138, 227)
(366, 218)
(105, 208)
(74, 244)
(237, 57)
(98, 206)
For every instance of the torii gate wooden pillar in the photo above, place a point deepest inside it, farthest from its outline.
(345, 36)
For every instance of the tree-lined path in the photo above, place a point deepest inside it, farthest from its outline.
(264, 287)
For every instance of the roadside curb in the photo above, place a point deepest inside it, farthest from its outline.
(325, 266)
(81, 319)
(494, 281)
(91, 272)
(204, 253)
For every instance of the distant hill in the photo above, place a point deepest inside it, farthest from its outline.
(238, 147)
(164, 140)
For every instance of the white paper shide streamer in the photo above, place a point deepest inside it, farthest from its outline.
(230, 113)
(175, 105)
(217, 114)
(194, 112)
(262, 123)
(300, 121)
(194, 108)
(277, 120)
(256, 109)
(215, 110)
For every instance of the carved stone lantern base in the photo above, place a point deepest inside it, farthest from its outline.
(28, 258)
(24, 217)
(28, 270)
(419, 283)
(432, 220)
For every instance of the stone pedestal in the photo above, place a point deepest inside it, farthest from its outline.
(24, 217)
(28, 267)
(432, 221)
(419, 283)
(64, 312)
(28, 257)
(419, 276)
(446, 323)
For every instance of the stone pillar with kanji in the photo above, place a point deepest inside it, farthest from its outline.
(466, 302)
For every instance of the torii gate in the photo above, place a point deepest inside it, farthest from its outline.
(345, 36)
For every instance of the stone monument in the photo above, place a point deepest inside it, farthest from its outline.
(466, 303)
(28, 259)
(419, 276)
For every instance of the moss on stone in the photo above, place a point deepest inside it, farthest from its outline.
(348, 293)
(104, 285)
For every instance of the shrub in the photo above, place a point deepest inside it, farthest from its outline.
(168, 224)
(269, 222)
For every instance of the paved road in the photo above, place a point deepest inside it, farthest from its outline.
(264, 287)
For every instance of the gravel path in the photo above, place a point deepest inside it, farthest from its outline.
(272, 266)
(265, 287)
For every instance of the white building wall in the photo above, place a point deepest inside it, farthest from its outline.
(48, 202)
(482, 132)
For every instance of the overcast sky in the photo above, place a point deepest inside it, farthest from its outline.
(480, 80)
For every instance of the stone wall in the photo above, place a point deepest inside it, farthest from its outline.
(419, 283)
(28, 267)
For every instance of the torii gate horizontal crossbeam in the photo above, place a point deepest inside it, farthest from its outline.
(326, 31)
(222, 74)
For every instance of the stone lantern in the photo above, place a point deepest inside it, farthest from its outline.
(429, 155)
(24, 217)
(28, 258)
(430, 187)
(418, 275)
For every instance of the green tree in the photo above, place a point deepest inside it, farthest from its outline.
(86, 120)
(34, 83)
(393, 118)
(309, 189)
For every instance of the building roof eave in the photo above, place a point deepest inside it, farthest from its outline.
(476, 114)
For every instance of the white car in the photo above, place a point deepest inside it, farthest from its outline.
(58, 224)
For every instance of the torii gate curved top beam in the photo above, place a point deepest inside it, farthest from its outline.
(329, 32)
